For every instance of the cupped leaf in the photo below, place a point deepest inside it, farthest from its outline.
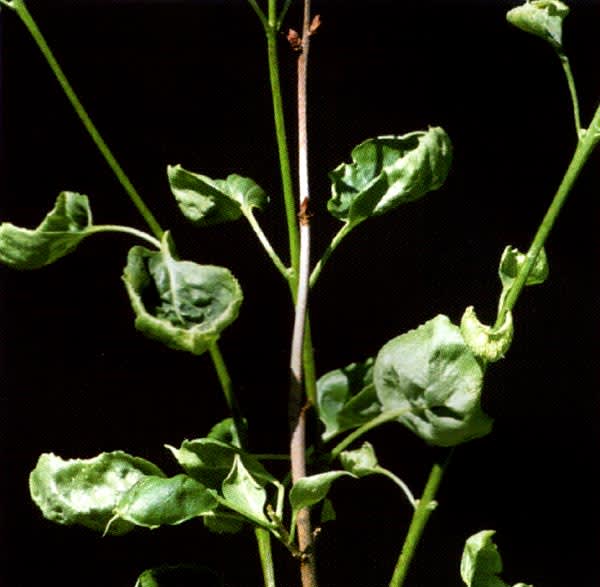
(155, 501)
(86, 491)
(182, 304)
(63, 228)
(388, 171)
(481, 562)
(178, 576)
(361, 461)
(346, 398)
(431, 373)
(485, 341)
(210, 461)
(207, 201)
(512, 262)
(243, 493)
(543, 18)
(308, 491)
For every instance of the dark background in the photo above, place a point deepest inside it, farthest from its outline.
(186, 82)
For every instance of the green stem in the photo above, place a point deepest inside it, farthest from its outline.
(124, 229)
(227, 387)
(263, 538)
(29, 22)
(584, 149)
(259, 13)
(337, 239)
(264, 241)
(424, 509)
(403, 486)
(566, 65)
(378, 421)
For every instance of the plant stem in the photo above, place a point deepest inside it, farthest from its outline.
(584, 149)
(264, 241)
(29, 22)
(403, 486)
(337, 239)
(124, 229)
(259, 13)
(263, 538)
(425, 507)
(566, 65)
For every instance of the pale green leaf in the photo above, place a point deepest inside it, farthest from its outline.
(388, 171)
(86, 491)
(346, 398)
(432, 374)
(178, 576)
(481, 562)
(243, 493)
(543, 18)
(310, 490)
(512, 262)
(361, 461)
(207, 201)
(156, 501)
(182, 304)
(485, 341)
(63, 228)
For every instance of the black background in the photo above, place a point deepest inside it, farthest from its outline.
(186, 82)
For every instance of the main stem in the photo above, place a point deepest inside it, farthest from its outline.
(297, 408)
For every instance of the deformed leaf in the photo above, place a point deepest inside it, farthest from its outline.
(485, 341)
(156, 501)
(361, 461)
(207, 201)
(511, 263)
(243, 493)
(346, 398)
(388, 171)
(86, 491)
(63, 228)
(431, 373)
(182, 304)
(178, 576)
(481, 562)
(310, 490)
(542, 18)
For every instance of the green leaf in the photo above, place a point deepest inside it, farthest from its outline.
(86, 491)
(361, 461)
(432, 374)
(207, 201)
(485, 341)
(481, 562)
(178, 576)
(223, 524)
(156, 501)
(243, 493)
(179, 303)
(388, 171)
(346, 398)
(210, 461)
(226, 432)
(308, 491)
(512, 262)
(543, 18)
(60, 232)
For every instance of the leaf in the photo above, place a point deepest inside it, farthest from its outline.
(432, 374)
(481, 562)
(86, 491)
(542, 18)
(63, 228)
(485, 341)
(243, 493)
(361, 461)
(178, 576)
(223, 524)
(346, 398)
(207, 201)
(179, 303)
(210, 461)
(156, 501)
(226, 432)
(310, 490)
(511, 263)
(388, 171)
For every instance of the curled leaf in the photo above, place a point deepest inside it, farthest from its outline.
(388, 171)
(485, 341)
(432, 377)
(63, 228)
(542, 18)
(182, 304)
(207, 201)
(310, 490)
(512, 261)
(86, 491)
(361, 461)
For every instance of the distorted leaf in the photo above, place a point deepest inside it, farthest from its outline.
(156, 501)
(310, 490)
(361, 461)
(511, 263)
(388, 171)
(485, 341)
(63, 228)
(432, 374)
(182, 304)
(243, 493)
(346, 398)
(178, 576)
(543, 18)
(207, 201)
(86, 491)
